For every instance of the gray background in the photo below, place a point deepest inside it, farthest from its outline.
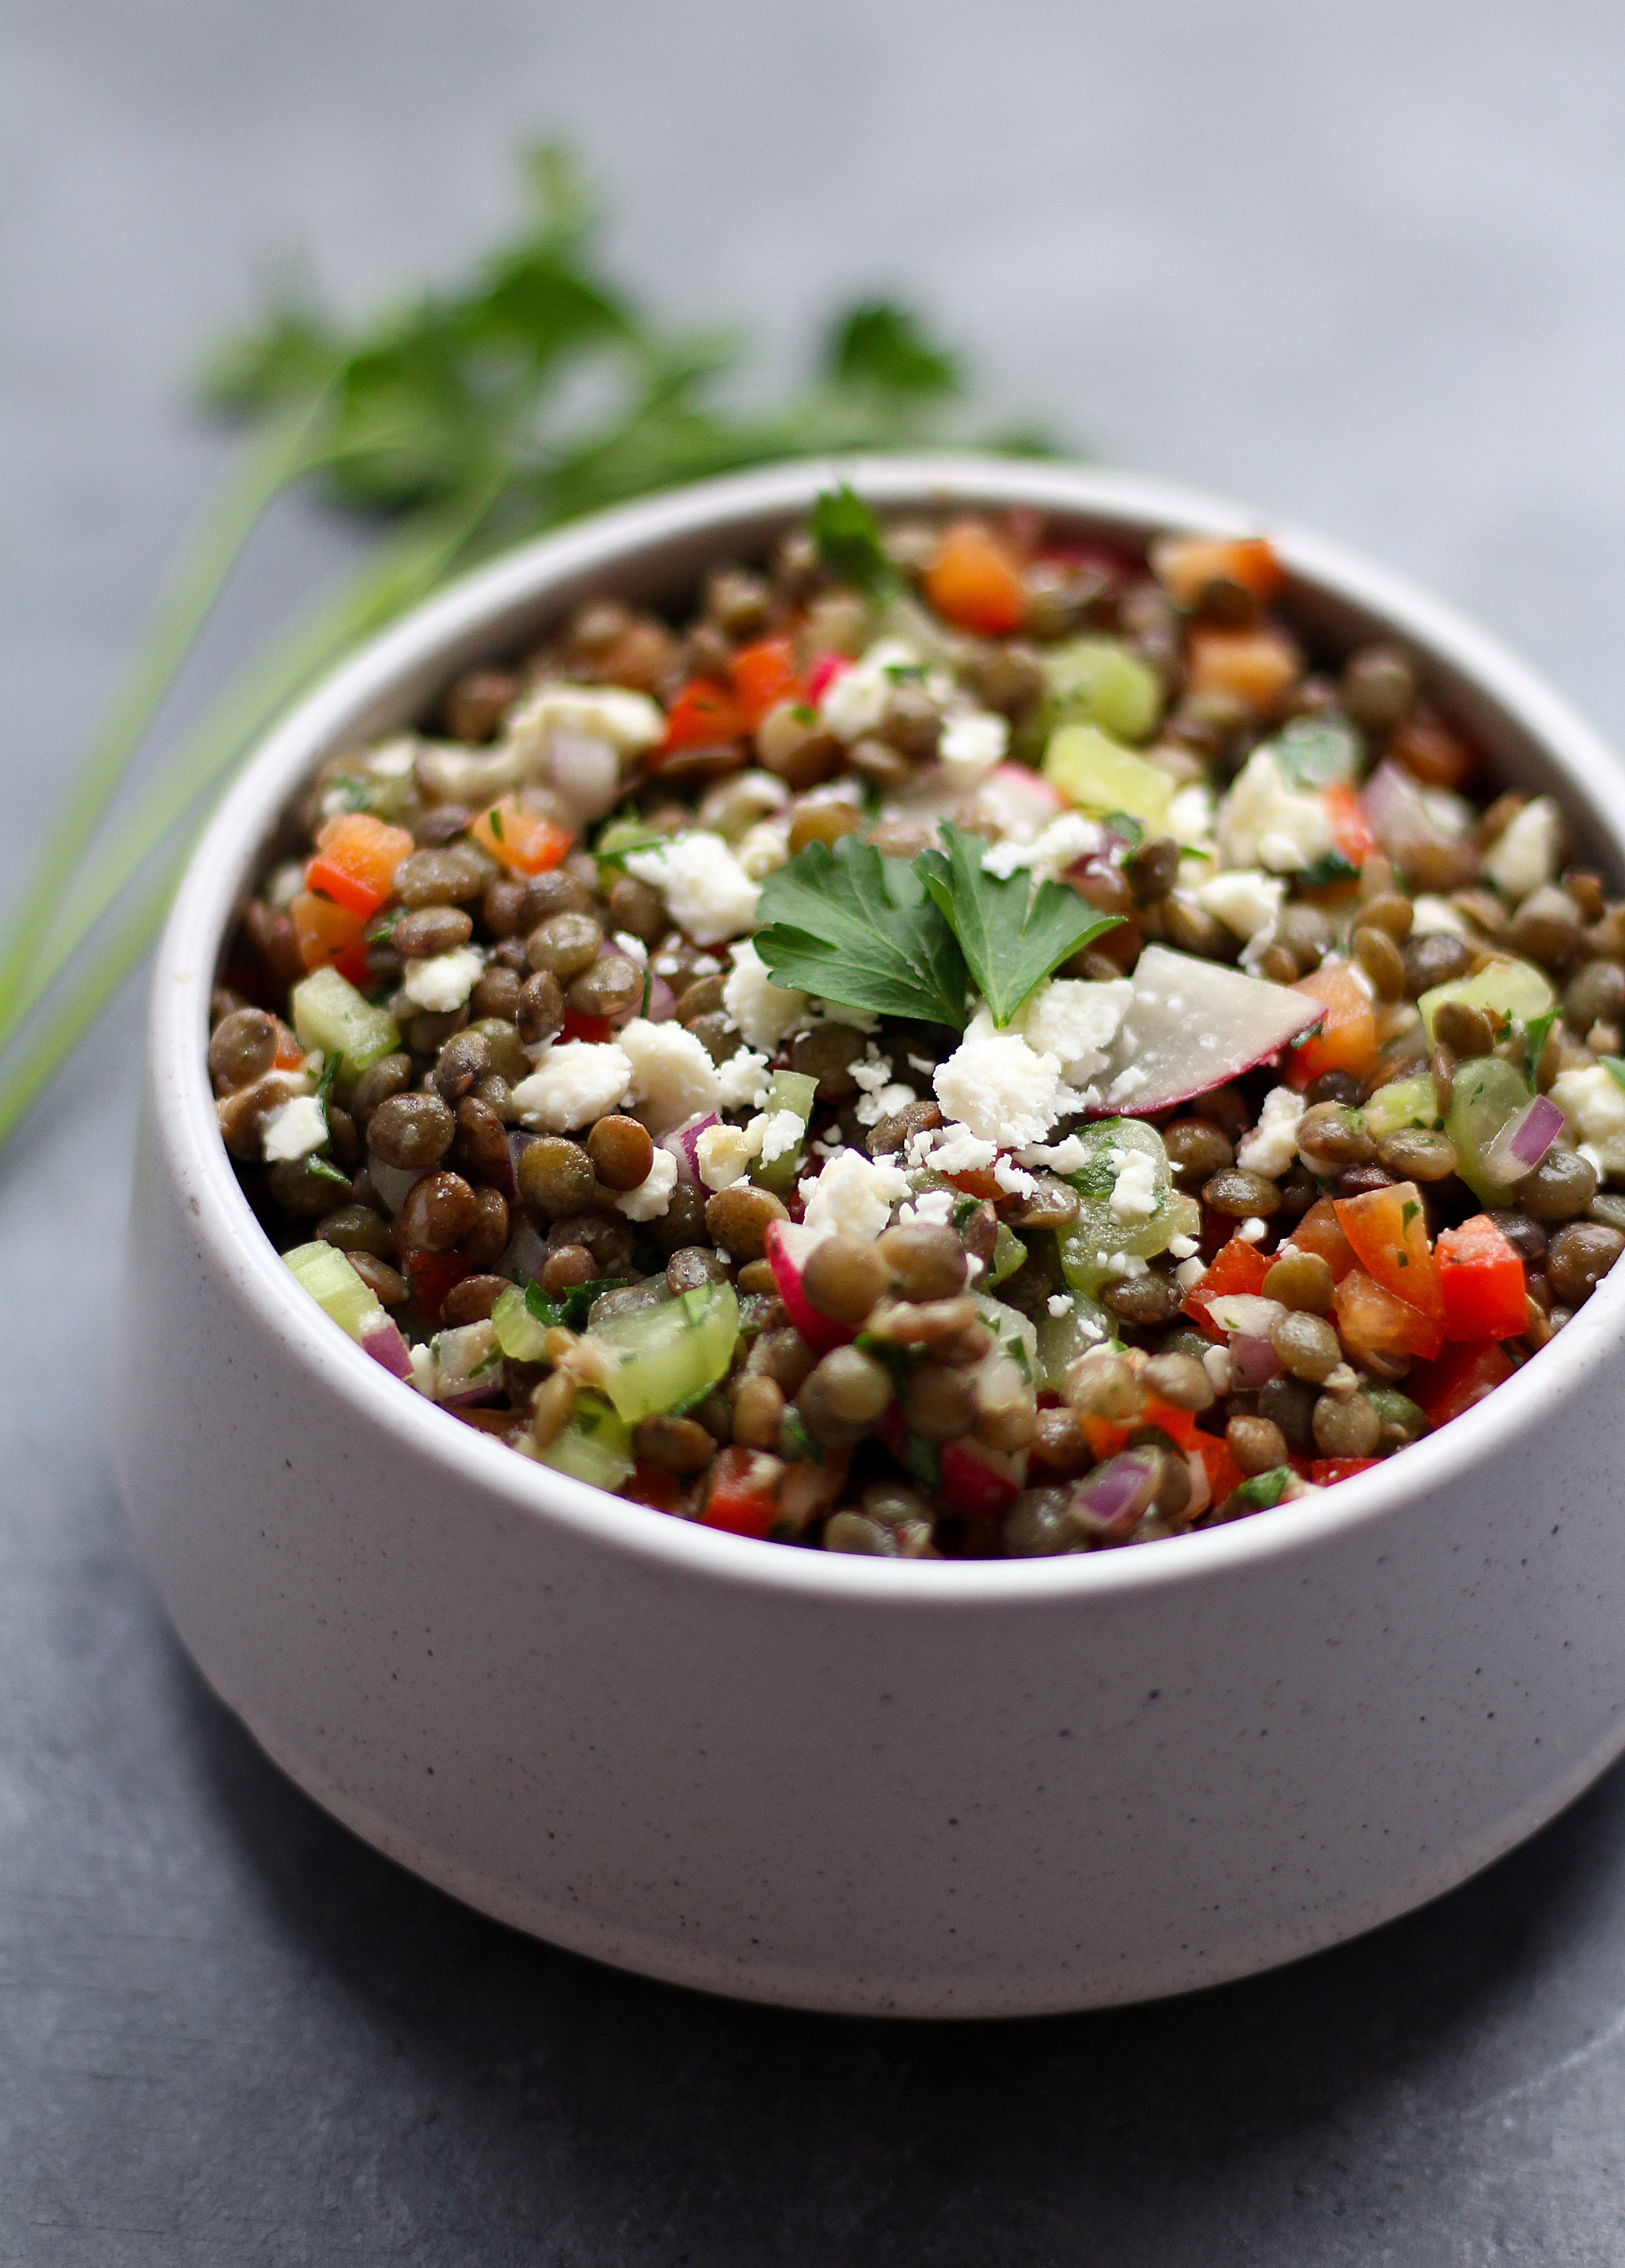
(1361, 266)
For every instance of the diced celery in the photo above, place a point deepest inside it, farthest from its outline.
(1009, 1253)
(672, 1352)
(1063, 1338)
(1013, 1332)
(1102, 776)
(330, 1014)
(1402, 1102)
(519, 1334)
(596, 1445)
(1100, 681)
(1507, 991)
(787, 1090)
(334, 1284)
(1097, 1230)
(1485, 1093)
(466, 1357)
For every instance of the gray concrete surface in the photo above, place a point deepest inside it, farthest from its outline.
(1363, 266)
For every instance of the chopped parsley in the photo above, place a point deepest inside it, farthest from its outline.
(848, 538)
(571, 1312)
(1011, 935)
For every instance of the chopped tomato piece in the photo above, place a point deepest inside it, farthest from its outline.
(975, 581)
(1223, 1472)
(355, 862)
(764, 675)
(1388, 1230)
(1106, 1436)
(1321, 1232)
(330, 935)
(1185, 565)
(1326, 1471)
(1347, 1039)
(742, 1496)
(703, 714)
(431, 1275)
(977, 1182)
(289, 1055)
(1372, 1320)
(1463, 1374)
(1481, 1282)
(1351, 831)
(521, 840)
(1257, 665)
(577, 1027)
(1431, 753)
(1239, 1267)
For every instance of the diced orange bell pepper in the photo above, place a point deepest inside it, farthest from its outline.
(703, 714)
(355, 861)
(1257, 665)
(329, 936)
(742, 1495)
(1346, 1040)
(764, 675)
(1388, 1229)
(1481, 1282)
(1106, 1436)
(1239, 1267)
(975, 581)
(1321, 1232)
(523, 840)
(1185, 565)
(1370, 1318)
(1325, 1472)
(977, 1182)
(1351, 831)
(1463, 1374)
(1431, 753)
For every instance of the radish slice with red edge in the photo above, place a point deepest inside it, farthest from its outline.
(788, 1247)
(1191, 1026)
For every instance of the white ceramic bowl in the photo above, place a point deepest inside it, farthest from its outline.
(842, 1782)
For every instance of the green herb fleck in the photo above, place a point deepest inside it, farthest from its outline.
(318, 1169)
(330, 1066)
(848, 538)
(1123, 823)
(1332, 868)
(571, 1312)
(494, 820)
(1535, 1035)
(1409, 1211)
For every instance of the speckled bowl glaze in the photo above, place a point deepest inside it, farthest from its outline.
(846, 1784)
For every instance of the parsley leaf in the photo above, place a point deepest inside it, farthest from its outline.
(1012, 936)
(847, 535)
(850, 926)
(1330, 867)
(880, 344)
(1615, 1066)
(1535, 1035)
(571, 1311)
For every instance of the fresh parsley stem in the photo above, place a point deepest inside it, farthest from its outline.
(411, 567)
(187, 606)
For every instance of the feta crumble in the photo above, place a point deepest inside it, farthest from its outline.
(1076, 1022)
(779, 1133)
(707, 892)
(574, 1082)
(444, 982)
(1062, 844)
(972, 743)
(723, 1153)
(1593, 1103)
(741, 1080)
(1273, 1143)
(630, 722)
(1058, 1305)
(1133, 1190)
(1264, 822)
(763, 1010)
(1007, 1093)
(1245, 900)
(670, 1075)
(854, 1193)
(651, 1197)
(1528, 851)
(300, 1126)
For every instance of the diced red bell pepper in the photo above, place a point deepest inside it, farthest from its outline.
(1388, 1230)
(1347, 1039)
(329, 936)
(1481, 1282)
(1223, 1472)
(1239, 1267)
(1106, 1436)
(289, 1055)
(523, 840)
(431, 1275)
(975, 581)
(703, 714)
(1351, 831)
(1321, 1232)
(979, 1182)
(1326, 1471)
(1463, 1374)
(355, 861)
(764, 675)
(1370, 1318)
(742, 1494)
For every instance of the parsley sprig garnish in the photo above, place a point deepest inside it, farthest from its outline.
(454, 422)
(869, 933)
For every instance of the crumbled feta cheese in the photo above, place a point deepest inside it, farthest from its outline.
(972, 743)
(855, 1195)
(669, 1074)
(707, 892)
(628, 722)
(763, 1010)
(1076, 1022)
(1127, 1264)
(1433, 916)
(1059, 1304)
(1245, 900)
(934, 1206)
(1273, 1143)
(779, 1133)
(1217, 1363)
(1011, 1179)
(1183, 1248)
(873, 1073)
(855, 700)
(1264, 822)
(956, 1150)
(574, 1082)
(1593, 1102)
(1133, 1191)
(763, 849)
(651, 1197)
(1190, 815)
(870, 1108)
(1062, 844)
(1067, 1156)
(1528, 851)
(741, 1080)
(1252, 1230)
(445, 981)
(301, 1126)
(423, 1369)
(1005, 1091)
(633, 948)
(723, 1153)
(707, 964)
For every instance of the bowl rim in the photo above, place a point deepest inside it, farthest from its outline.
(229, 845)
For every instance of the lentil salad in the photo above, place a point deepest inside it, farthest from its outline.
(975, 1044)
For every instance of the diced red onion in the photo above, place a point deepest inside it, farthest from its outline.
(585, 772)
(1114, 1495)
(1253, 1362)
(392, 1182)
(681, 1141)
(1403, 824)
(386, 1346)
(1524, 1140)
(525, 1256)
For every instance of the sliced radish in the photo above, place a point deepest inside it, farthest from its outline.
(1020, 802)
(980, 1483)
(1191, 1025)
(788, 1247)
